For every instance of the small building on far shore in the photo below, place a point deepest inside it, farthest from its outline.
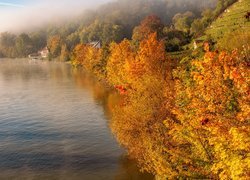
(44, 52)
(34, 56)
(95, 44)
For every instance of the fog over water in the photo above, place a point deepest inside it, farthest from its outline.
(19, 15)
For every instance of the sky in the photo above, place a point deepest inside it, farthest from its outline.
(18, 15)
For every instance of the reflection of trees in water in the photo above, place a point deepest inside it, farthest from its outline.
(129, 170)
(13, 69)
(27, 70)
(101, 94)
(58, 73)
(109, 100)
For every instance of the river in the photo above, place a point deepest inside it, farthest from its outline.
(54, 124)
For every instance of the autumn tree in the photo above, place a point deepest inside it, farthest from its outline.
(141, 77)
(88, 57)
(78, 55)
(150, 24)
(212, 106)
(194, 126)
(120, 55)
(54, 44)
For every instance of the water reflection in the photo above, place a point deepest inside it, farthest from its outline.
(53, 125)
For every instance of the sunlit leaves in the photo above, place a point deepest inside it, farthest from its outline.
(216, 110)
(189, 122)
(54, 45)
(88, 57)
(151, 24)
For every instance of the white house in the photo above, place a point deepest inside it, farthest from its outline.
(95, 44)
(44, 52)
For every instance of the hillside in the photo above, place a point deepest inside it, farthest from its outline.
(231, 20)
(112, 21)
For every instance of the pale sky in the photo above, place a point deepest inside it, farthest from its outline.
(21, 14)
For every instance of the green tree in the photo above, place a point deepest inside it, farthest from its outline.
(23, 45)
(72, 40)
(39, 40)
(102, 31)
(7, 44)
(197, 27)
(182, 22)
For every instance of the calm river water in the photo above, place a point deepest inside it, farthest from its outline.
(54, 125)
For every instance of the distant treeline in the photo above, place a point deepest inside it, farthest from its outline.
(115, 21)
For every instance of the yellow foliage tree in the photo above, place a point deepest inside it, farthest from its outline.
(119, 57)
(138, 120)
(54, 45)
(191, 122)
(88, 57)
(212, 105)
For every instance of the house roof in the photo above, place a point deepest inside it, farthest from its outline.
(95, 43)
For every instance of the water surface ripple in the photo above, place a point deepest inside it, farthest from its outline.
(53, 127)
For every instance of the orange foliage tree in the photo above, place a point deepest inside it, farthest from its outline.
(138, 120)
(191, 122)
(212, 105)
(205, 111)
(88, 57)
(54, 45)
(151, 24)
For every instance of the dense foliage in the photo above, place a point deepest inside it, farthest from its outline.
(212, 106)
(189, 120)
